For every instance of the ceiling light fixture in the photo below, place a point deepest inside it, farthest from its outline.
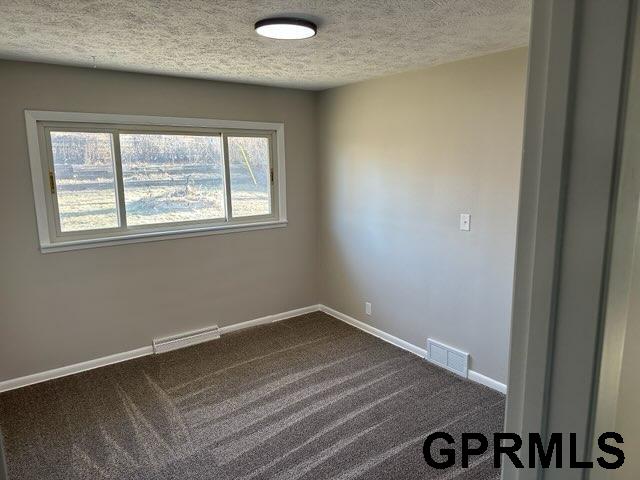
(285, 28)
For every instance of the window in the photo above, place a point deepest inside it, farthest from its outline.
(172, 178)
(249, 196)
(85, 184)
(108, 179)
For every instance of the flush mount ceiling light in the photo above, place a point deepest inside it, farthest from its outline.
(285, 28)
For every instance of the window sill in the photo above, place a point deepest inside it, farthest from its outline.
(64, 246)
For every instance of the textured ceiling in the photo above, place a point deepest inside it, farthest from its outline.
(357, 39)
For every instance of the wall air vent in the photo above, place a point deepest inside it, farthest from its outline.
(448, 357)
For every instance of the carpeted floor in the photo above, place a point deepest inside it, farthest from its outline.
(306, 398)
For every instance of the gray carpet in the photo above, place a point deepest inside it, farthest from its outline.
(306, 398)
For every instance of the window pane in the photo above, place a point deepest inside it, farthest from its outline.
(250, 174)
(171, 178)
(85, 183)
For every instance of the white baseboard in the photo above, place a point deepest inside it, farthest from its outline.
(398, 342)
(19, 382)
(421, 352)
(487, 381)
(269, 319)
(142, 351)
(76, 368)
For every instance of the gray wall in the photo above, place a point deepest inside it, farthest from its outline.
(63, 308)
(400, 158)
(376, 219)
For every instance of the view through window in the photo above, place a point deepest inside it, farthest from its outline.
(85, 184)
(250, 176)
(172, 178)
(119, 180)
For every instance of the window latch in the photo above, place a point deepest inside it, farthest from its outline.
(52, 183)
(271, 173)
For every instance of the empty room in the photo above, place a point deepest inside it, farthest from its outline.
(317, 240)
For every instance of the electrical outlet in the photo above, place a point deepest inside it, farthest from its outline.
(465, 222)
(367, 308)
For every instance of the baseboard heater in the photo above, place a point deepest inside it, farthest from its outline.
(166, 344)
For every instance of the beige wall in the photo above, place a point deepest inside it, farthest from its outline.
(62, 308)
(400, 158)
(376, 219)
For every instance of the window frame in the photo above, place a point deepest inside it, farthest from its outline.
(40, 123)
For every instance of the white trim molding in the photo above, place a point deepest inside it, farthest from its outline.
(421, 352)
(487, 381)
(269, 319)
(19, 382)
(398, 342)
(53, 240)
(148, 350)
(159, 236)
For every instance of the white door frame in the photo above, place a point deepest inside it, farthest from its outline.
(577, 65)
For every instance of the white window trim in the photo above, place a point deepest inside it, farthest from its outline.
(40, 189)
